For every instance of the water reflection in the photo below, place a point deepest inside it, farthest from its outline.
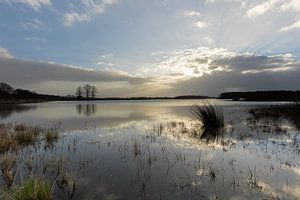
(75, 115)
(146, 150)
(86, 109)
(6, 110)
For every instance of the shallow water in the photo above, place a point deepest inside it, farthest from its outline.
(139, 150)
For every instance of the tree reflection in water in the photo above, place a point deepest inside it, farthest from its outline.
(6, 110)
(86, 109)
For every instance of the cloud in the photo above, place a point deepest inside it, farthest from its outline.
(201, 24)
(90, 9)
(262, 8)
(27, 71)
(72, 17)
(35, 24)
(4, 53)
(278, 5)
(35, 39)
(292, 5)
(202, 70)
(34, 4)
(53, 78)
(210, 71)
(291, 27)
(191, 14)
(187, 63)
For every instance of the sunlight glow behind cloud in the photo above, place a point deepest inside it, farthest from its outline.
(152, 47)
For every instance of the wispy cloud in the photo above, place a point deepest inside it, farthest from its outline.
(35, 39)
(34, 4)
(91, 8)
(71, 17)
(35, 24)
(279, 6)
(261, 8)
(291, 27)
(4, 53)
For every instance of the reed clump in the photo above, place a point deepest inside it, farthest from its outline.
(7, 165)
(211, 118)
(51, 137)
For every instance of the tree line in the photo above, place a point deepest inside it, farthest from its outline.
(86, 91)
(272, 95)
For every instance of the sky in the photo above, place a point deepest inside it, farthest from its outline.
(150, 48)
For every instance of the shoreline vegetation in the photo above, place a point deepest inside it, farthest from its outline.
(9, 95)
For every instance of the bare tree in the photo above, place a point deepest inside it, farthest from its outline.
(79, 92)
(87, 90)
(94, 92)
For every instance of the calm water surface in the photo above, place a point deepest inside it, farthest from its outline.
(140, 150)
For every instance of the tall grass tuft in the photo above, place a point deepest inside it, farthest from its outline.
(51, 137)
(212, 119)
(33, 189)
(7, 163)
(26, 137)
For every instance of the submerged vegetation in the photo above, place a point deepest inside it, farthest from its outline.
(211, 118)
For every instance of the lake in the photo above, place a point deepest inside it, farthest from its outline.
(142, 150)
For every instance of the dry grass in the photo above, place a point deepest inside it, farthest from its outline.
(14, 137)
(7, 164)
(26, 137)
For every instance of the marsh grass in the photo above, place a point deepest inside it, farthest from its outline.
(7, 164)
(211, 118)
(276, 112)
(26, 137)
(51, 137)
(14, 137)
(5, 141)
(33, 189)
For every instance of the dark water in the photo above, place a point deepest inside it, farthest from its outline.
(139, 150)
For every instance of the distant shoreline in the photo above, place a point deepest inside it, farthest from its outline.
(8, 95)
(21, 101)
(29, 101)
